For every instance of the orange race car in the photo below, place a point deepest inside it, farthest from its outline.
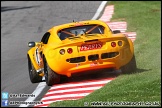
(78, 47)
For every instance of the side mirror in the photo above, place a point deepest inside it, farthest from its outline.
(116, 31)
(31, 44)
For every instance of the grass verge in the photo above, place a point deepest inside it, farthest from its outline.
(144, 18)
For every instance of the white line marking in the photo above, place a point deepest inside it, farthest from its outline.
(38, 90)
(101, 7)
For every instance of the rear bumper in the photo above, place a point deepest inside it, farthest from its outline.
(67, 65)
(93, 66)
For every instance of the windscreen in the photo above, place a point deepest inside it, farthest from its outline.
(78, 31)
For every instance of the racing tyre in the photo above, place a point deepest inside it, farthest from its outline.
(130, 67)
(34, 77)
(51, 77)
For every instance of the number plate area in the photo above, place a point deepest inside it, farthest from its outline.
(93, 46)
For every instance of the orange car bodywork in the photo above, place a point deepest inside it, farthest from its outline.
(60, 64)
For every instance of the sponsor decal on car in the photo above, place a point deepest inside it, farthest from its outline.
(94, 64)
(86, 47)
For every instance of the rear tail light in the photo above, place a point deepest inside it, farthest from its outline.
(113, 44)
(62, 51)
(69, 50)
(120, 43)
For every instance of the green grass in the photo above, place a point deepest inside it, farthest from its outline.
(144, 18)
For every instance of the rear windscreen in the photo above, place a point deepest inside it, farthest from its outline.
(80, 31)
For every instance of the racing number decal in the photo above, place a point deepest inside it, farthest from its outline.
(38, 57)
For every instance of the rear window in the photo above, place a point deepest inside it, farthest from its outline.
(80, 31)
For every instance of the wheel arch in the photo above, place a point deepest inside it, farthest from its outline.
(131, 46)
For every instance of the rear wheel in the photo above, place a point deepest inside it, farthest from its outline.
(34, 77)
(130, 67)
(51, 77)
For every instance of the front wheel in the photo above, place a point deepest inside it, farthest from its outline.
(130, 67)
(51, 77)
(34, 77)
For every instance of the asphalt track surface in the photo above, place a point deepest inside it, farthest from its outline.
(24, 21)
